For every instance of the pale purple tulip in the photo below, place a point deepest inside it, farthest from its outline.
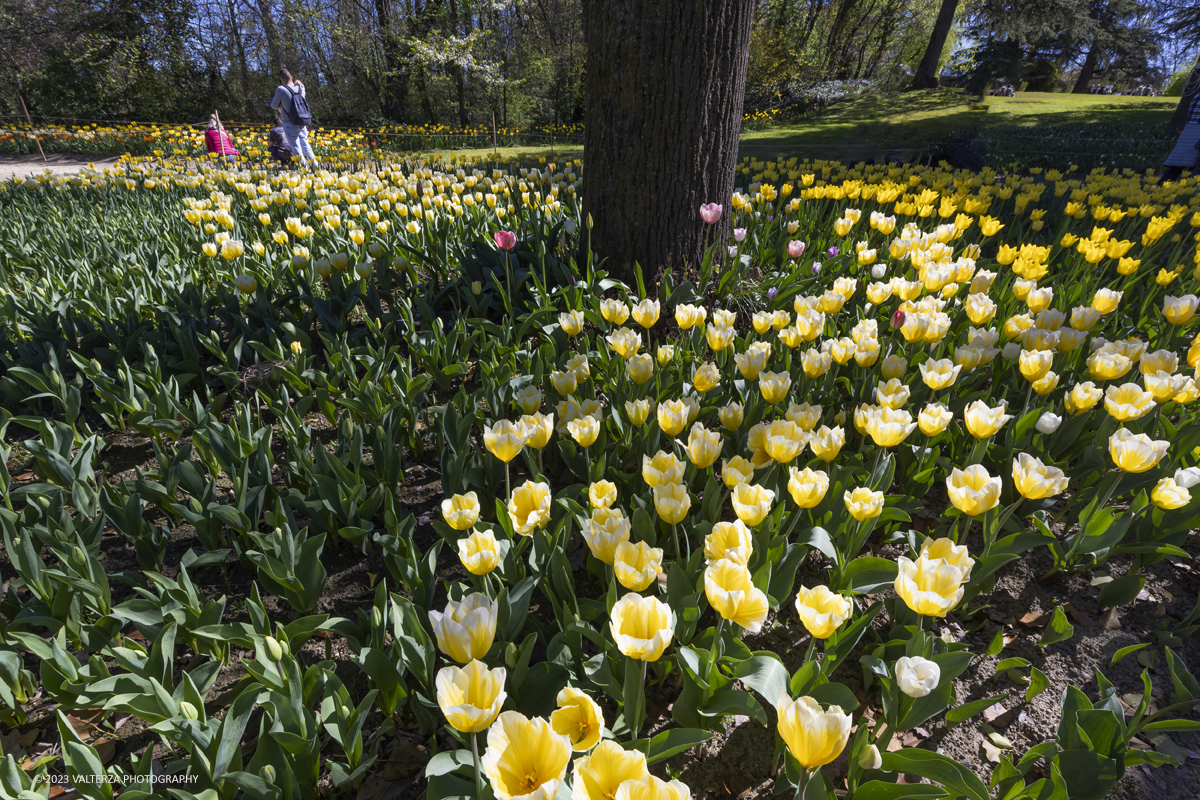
(739, 234)
(711, 212)
(816, 268)
(795, 248)
(772, 293)
(731, 249)
(831, 252)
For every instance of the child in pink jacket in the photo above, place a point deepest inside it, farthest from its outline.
(216, 140)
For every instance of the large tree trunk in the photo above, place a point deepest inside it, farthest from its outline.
(268, 22)
(927, 72)
(1087, 70)
(394, 97)
(240, 50)
(665, 86)
(1190, 89)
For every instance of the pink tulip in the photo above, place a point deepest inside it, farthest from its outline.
(711, 212)
(795, 248)
(739, 234)
(898, 318)
(505, 240)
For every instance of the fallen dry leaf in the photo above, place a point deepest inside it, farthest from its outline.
(29, 737)
(106, 749)
(378, 787)
(85, 721)
(1080, 618)
(990, 751)
(1035, 620)
(1110, 621)
(998, 715)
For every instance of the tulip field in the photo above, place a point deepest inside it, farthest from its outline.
(378, 483)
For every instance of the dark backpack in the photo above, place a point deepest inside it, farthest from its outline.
(300, 114)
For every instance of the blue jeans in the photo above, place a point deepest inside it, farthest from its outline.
(297, 139)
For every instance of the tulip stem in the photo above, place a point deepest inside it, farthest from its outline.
(478, 766)
(675, 536)
(712, 658)
(801, 783)
(989, 538)
(507, 484)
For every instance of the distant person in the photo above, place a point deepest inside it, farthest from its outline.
(216, 140)
(277, 144)
(1185, 154)
(291, 101)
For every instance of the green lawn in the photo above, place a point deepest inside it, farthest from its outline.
(872, 126)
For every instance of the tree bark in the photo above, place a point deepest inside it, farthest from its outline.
(240, 50)
(1087, 70)
(665, 87)
(1190, 88)
(268, 22)
(927, 72)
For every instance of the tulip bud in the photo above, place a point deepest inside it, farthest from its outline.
(274, 649)
(188, 710)
(1048, 422)
(870, 758)
(1187, 478)
(267, 773)
(897, 320)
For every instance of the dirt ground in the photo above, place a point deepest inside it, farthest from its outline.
(24, 166)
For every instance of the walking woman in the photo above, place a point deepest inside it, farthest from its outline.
(1185, 154)
(292, 101)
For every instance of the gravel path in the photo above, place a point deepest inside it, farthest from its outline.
(15, 166)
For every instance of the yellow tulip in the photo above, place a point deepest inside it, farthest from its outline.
(706, 377)
(889, 427)
(1129, 402)
(703, 447)
(1034, 364)
(1135, 452)
(1084, 318)
(753, 361)
(804, 415)
(774, 386)
(528, 399)
(893, 394)
(1046, 384)
(471, 697)
(646, 313)
(807, 487)
(719, 338)
(636, 566)
(638, 411)
(672, 416)
(737, 470)
(571, 322)
(564, 383)
(1036, 481)
(584, 430)
(1106, 300)
(1180, 310)
(930, 586)
(465, 630)
(600, 776)
(1169, 495)
(893, 367)
(821, 610)
(972, 490)
(866, 353)
(614, 311)
(664, 354)
(652, 788)
(762, 321)
(672, 501)
(980, 308)
(826, 443)
(733, 595)
(579, 718)
(642, 627)
(751, 503)
(934, 418)
(479, 552)
(605, 531)
(938, 374)
(1082, 397)
(863, 504)
(730, 416)
(461, 511)
(529, 507)
(784, 441)
(624, 342)
(640, 368)
(731, 541)
(505, 440)
(983, 421)
(525, 758)
(602, 494)
(663, 468)
(815, 737)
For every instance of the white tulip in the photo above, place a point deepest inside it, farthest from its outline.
(1187, 478)
(1048, 423)
(1011, 350)
(917, 676)
(878, 271)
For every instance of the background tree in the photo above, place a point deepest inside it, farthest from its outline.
(926, 76)
(665, 85)
(1183, 21)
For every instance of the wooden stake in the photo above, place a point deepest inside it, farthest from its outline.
(30, 120)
